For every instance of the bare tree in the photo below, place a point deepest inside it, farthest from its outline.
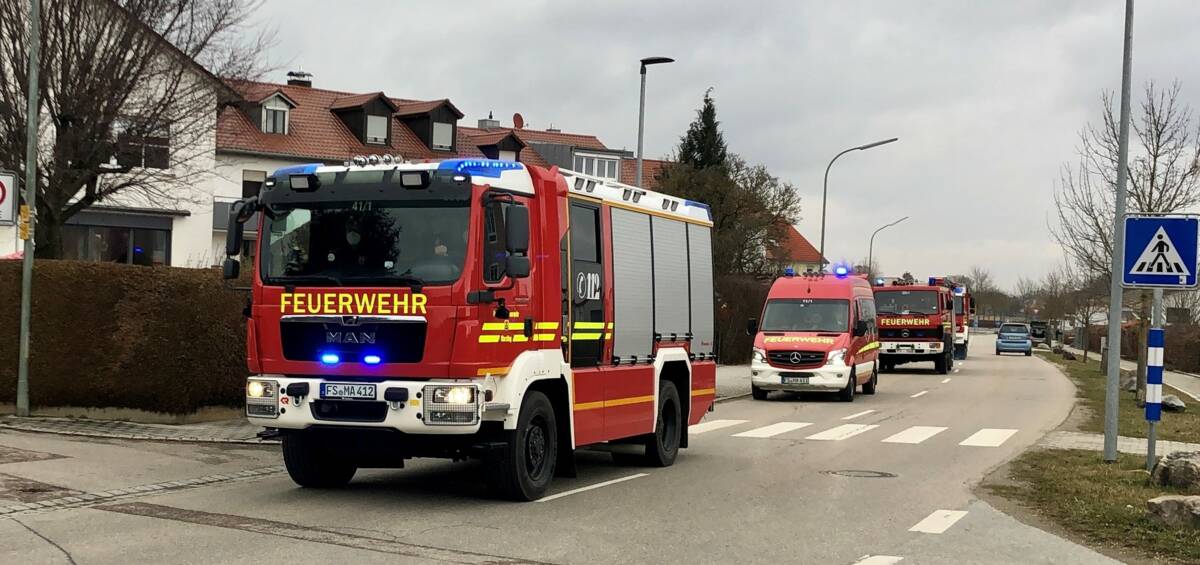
(129, 95)
(1164, 174)
(980, 279)
(1184, 305)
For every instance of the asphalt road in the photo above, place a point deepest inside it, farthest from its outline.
(884, 479)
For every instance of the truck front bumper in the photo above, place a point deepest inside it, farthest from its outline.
(408, 406)
(826, 378)
(911, 347)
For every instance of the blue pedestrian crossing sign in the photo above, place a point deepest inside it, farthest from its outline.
(1161, 251)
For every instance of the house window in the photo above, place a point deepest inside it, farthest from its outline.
(377, 129)
(141, 144)
(443, 136)
(132, 246)
(507, 155)
(274, 120)
(252, 183)
(596, 165)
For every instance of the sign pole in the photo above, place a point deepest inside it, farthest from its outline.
(1155, 342)
(31, 146)
(1112, 385)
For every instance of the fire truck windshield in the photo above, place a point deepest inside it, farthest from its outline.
(906, 302)
(958, 305)
(806, 315)
(366, 242)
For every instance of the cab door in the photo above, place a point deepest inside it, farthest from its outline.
(584, 323)
(866, 345)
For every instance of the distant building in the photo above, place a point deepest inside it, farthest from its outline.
(797, 252)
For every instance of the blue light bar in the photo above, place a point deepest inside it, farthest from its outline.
(330, 358)
(960, 291)
(372, 359)
(297, 170)
(706, 208)
(480, 167)
(841, 271)
(789, 272)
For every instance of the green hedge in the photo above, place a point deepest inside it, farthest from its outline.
(120, 336)
(739, 298)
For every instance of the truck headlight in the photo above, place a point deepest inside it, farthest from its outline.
(454, 395)
(261, 390)
(758, 356)
(451, 405)
(837, 357)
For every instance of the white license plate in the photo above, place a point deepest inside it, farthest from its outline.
(902, 347)
(347, 391)
(795, 380)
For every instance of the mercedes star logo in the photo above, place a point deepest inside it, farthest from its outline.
(796, 358)
(904, 333)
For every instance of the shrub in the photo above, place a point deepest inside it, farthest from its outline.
(106, 335)
(739, 298)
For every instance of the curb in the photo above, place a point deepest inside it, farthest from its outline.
(138, 437)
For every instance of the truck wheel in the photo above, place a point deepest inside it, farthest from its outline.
(869, 388)
(525, 465)
(758, 393)
(940, 365)
(663, 446)
(312, 465)
(847, 394)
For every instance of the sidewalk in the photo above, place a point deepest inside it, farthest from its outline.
(1189, 385)
(733, 381)
(1095, 442)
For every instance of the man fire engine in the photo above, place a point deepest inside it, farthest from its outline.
(916, 324)
(964, 310)
(473, 308)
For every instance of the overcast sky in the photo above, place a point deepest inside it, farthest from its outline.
(987, 98)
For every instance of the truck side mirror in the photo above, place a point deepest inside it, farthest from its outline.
(239, 213)
(516, 229)
(752, 326)
(517, 266)
(232, 268)
(860, 328)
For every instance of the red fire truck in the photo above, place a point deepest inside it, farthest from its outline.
(473, 308)
(916, 324)
(964, 310)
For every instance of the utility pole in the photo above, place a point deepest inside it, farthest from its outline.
(1112, 385)
(31, 143)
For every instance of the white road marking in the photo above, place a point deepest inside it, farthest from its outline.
(590, 487)
(944, 381)
(842, 432)
(938, 522)
(988, 437)
(853, 416)
(920, 394)
(713, 425)
(915, 434)
(773, 429)
(879, 560)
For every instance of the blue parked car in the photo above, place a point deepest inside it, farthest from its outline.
(1014, 338)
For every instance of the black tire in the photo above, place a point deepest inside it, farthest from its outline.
(663, 446)
(997, 352)
(869, 387)
(525, 465)
(847, 393)
(1028, 353)
(940, 365)
(758, 393)
(311, 464)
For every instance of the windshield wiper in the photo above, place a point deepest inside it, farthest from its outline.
(412, 281)
(887, 312)
(301, 279)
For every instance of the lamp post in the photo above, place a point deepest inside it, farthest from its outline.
(642, 109)
(871, 246)
(825, 190)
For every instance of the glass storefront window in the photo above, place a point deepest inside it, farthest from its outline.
(135, 246)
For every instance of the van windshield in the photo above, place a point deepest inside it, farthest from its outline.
(806, 315)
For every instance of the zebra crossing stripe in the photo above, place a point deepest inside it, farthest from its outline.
(773, 429)
(938, 522)
(988, 437)
(713, 425)
(844, 431)
(879, 560)
(915, 434)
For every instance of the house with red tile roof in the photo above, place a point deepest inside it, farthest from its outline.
(796, 251)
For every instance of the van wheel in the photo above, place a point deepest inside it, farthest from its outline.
(847, 394)
(524, 467)
(869, 387)
(311, 464)
(663, 446)
(758, 393)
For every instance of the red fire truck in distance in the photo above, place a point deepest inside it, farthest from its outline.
(473, 308)
(964, 310)
(916, 323)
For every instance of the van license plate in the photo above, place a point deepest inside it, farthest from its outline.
(347, 391)
(795, 380)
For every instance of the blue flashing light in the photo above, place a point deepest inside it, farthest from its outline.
(297, 170)
(372, 359)
(330, 358)
(707, 210)
(933, 281)
(138, 250)
(879, 281)
(841, 271)
(789, 272)
(960, 291)
(480, 167)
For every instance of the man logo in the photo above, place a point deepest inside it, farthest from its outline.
(350, 337)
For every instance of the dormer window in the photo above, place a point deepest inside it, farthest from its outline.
(275, 112)
(377, 129)
(443, 136)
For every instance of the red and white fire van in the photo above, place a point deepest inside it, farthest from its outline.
(817, 334)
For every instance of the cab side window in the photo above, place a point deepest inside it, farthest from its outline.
(494, 251)
(866, 308)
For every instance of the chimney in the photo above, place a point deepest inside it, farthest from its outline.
(553, 129)
(299, 78)
(489, 122)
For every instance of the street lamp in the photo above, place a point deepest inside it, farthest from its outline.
(642, 109)
(825, 190)
(871, 247)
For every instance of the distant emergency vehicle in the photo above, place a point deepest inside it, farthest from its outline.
(818, 333)
(473, 308)
(964, 311)
(916, 323)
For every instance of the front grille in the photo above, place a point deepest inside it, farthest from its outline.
(393, 342)
(796, 359)
(911, 333)
(349, 410)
